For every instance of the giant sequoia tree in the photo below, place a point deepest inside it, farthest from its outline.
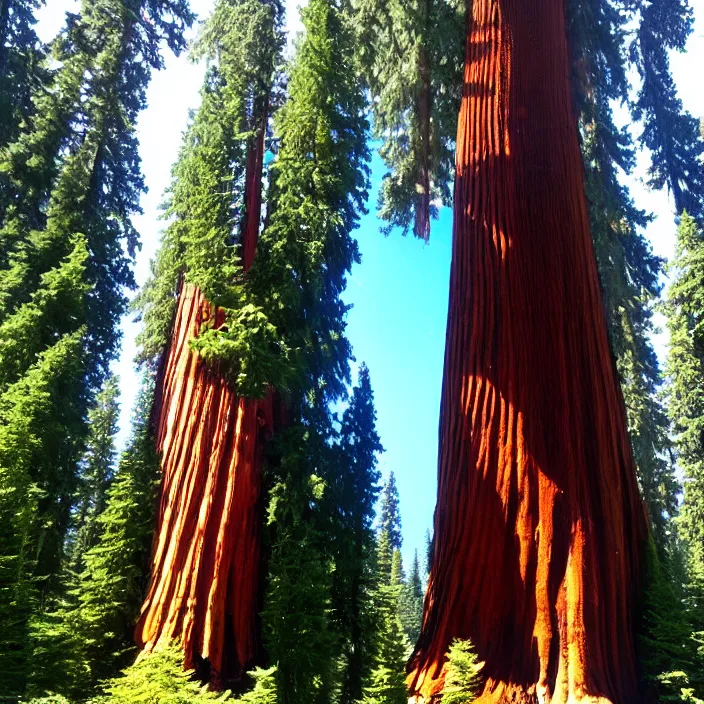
(537, 485)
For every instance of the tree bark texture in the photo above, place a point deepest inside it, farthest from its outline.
(539, 526)
(204, 584)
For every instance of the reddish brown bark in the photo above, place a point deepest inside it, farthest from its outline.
(204, 584)
(205, 564)
(539, 526)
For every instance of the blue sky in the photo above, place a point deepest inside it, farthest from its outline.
(399, 291)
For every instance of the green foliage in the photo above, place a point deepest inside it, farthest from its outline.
(297, 611)
(670, 653)
(411, 55)
(242, 44)
(354, 489)
(411, 602)
(95, 474)
(159, 678)
(669, 132)
(87, 636)
(69, 183)
(387, 681)
(462, 678)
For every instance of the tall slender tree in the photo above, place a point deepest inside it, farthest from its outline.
(72, 182)
(411, 56)
(95, 474)
(355, 489)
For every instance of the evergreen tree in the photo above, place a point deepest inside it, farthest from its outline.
(390, 519)
(95, 473)
(354, 493)
(89, 635)
(685, 369)
(72, 180)
(387, 682)
(411, 57)
(462, 677)
(411, 606)
(159, 678)
(669, 132)
(318, 187)
(20, 55)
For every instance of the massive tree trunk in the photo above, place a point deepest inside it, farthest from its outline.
(539, 526)
(204, 585)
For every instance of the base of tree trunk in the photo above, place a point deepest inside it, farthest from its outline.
(204, 588)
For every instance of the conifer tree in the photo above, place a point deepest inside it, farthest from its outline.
(354, 493)
(411, 602)
(72, 181)
(20, 56)
(95, 474)
(390, 517)
(411, 58)
(89, 635)
(387, 681)
(685, 370)
(462, 680)
(319, 183)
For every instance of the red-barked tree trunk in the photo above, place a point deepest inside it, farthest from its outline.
(204, 590)
(539, 526)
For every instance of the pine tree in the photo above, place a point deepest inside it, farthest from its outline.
(411, 57)
(390, 518)
(669, 132)
(411, 603)
(387, 681)
(318, 186)
(20, 55)
(685, 370)
(354, 491)
(72, 181)
(462, 679)
(159, 678)
(88, 636)
(95, 474)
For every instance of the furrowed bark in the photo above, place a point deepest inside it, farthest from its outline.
(204, 587)
(539, 526)
(205, 564)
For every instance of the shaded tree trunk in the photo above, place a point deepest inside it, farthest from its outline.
(539, 526)
(204, 589)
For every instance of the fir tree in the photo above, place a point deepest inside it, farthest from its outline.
(462, 677)
(354, 493)
(411, 603)
(88, 636)
(411, 57)
(387, 682)
(95, 473)
(318, 186)
(20, 56)
(73, 182)
(390, 518)
(159, 678)
(685, 369)
(669, 132)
